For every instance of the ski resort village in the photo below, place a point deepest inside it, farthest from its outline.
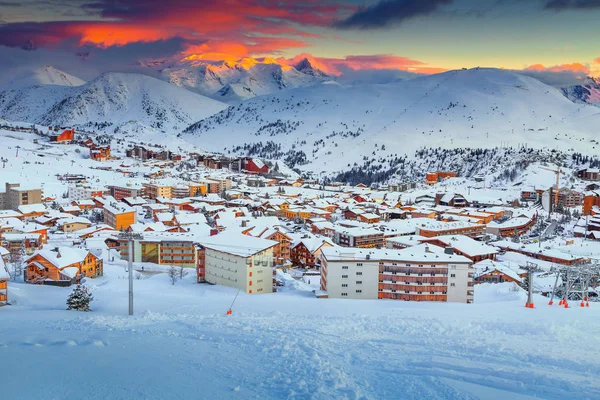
(488, 266)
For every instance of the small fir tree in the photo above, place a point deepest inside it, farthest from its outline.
(80, 299)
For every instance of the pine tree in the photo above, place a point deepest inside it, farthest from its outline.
(79, 299)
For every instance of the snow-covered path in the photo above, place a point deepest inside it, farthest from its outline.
(288, 345)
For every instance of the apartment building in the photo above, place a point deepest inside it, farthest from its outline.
(440, 228)
(419, 273)
(358, 237)
(119, 215)
(178, 249)
(15, 195)
(129, 190)
(85, 192)
(155, 190)
(239, 261)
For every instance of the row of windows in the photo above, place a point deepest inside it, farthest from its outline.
(346, 294)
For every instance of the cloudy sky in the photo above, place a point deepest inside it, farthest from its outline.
(423, 36)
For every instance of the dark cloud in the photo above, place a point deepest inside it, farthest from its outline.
(10, 4)
(389, 12)
(575, 4)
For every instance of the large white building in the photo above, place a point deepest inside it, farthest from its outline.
(418, 273)
(239, 261)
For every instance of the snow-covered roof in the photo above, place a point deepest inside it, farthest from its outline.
(466, 245)
(420, 253)
(237, 244)
(64, 257)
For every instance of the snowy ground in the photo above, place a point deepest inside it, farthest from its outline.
(181, 344)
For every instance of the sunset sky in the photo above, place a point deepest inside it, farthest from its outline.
(413, 35)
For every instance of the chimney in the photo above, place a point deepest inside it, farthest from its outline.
(449, 250)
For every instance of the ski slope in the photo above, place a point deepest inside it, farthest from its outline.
(336, 125)
(182, 345)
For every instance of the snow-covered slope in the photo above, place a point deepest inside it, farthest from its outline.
(233, 82)
(19, 78)
(588, 92)
(113, 102)
(331, 127)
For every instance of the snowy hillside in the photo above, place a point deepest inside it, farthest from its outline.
(19, 78)
(233, 82)
(113, 102)
(588, 92)
(329, 128)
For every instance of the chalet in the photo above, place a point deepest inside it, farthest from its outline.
(497, 273)
(4, 278)
(73, 224)
(32, 211)
(256, 166)
(281, 251)
(369, 218)
(73, 210)
(305, 253)
(590, 174)
(100, 153)
(62, 266)
(87, 204)
(67, 135)
(451, 200)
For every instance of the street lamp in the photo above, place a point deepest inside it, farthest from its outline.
(130, 237)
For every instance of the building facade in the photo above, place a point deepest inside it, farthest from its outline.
(414, 274)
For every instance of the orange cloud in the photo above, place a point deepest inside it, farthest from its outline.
(597, 60)
(335, 66)
(574, 67)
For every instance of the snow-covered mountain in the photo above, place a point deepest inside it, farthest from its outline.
(46, 75)
(241, 80)
(113, 102)
(332, 127)
(588, 92)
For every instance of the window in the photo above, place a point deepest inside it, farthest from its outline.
(453, 284)
(359, 273)
(359, 282)
(344, 267)
(344, 276)
(359, 291)
(344, 285)
(359, 264)
(452, 275)
(344, 294)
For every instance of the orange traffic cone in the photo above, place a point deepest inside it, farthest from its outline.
(526, 305)
(550, 302)
(566, 304)
(587, 304)
(582, 304)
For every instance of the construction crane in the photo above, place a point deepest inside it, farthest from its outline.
(557, 171)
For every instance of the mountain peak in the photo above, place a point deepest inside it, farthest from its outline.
(306, 67)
